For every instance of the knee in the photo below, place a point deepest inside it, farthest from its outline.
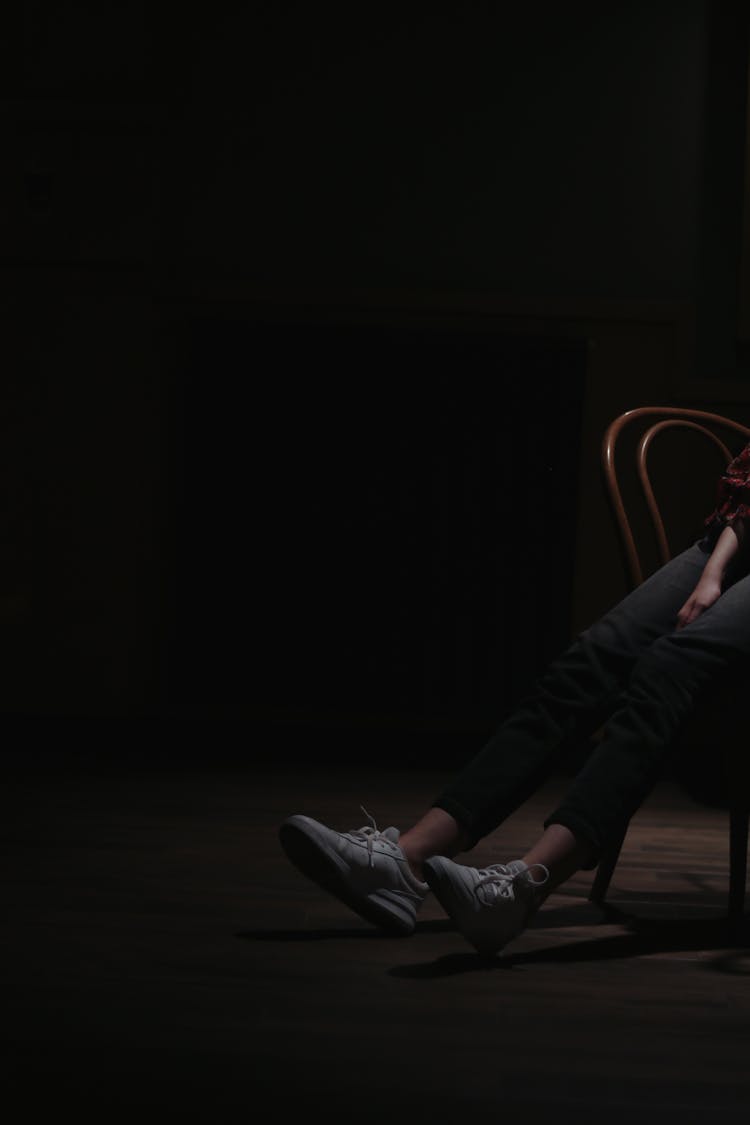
(674, 669)
(665, 658)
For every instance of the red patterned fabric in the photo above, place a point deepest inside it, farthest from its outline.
(733, 493)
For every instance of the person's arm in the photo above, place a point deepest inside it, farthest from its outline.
(709, 585)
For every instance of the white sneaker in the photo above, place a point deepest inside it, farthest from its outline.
(490, 905)
(365, 869)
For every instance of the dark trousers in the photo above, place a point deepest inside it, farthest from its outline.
(631, 673)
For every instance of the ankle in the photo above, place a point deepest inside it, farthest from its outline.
(436, 833)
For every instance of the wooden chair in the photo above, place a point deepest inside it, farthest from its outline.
(640, 517)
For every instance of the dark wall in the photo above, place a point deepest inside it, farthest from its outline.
(300, 155)
(527, 148)
(371, 519)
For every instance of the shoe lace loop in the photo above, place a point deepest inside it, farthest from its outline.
(499, 878)
(371, 834)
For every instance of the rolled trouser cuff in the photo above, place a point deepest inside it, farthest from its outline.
(463, 817)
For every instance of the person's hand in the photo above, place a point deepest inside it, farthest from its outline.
(704, 595)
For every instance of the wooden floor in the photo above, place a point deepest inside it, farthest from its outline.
(162, 959)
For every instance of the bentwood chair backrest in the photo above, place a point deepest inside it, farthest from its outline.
(725, 435)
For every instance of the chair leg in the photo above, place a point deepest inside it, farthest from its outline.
(739, 819)
(606, 869)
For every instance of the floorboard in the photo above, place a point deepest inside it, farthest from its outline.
(162, 958)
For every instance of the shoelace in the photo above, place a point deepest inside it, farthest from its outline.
(499, 879)
(371, 834)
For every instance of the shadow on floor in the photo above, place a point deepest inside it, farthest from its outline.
(643, 936)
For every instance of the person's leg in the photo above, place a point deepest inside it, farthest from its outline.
(492, 905)
(666, 684)
(379, 874)
(569, 702)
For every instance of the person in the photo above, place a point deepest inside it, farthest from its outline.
(634, 675)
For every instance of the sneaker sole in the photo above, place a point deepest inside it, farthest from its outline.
(308, 857)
